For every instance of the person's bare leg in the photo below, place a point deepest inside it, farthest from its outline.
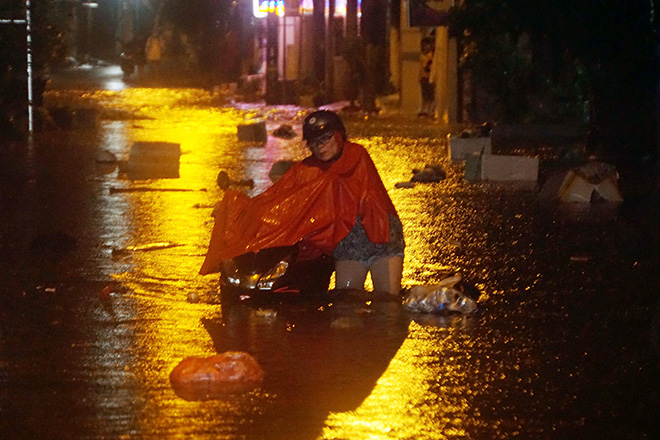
(350, 274)
(386, 274)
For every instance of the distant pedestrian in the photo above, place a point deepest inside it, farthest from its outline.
(190, 60)
(426, 85)
(154, 51)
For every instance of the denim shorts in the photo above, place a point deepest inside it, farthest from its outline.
(357, 247)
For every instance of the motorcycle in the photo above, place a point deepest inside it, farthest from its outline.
(275, 276)
(127, 63)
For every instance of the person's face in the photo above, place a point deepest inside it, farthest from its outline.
(327, 147)
(427, 47)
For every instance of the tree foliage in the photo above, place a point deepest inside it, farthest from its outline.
(543, 61)
(219, 29)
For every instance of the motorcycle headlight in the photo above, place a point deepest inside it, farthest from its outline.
(232, 276)
(268, 279)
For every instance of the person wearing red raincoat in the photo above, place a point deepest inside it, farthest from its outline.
(334, 202)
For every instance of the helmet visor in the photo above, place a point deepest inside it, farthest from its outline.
(317, 142)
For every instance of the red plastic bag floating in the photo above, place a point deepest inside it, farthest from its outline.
(197, 378)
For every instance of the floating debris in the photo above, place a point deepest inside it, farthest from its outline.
(106, 292)
(146, 188)
(106, 157)
(146, 247)
(225, 182)
(253, 130)
(285, 131)
(198, 378)
(482, 130)
(430, 174)
(580, 258)
(404, 185)
(452, 294)
(152, 160)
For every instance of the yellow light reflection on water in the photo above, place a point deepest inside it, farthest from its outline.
(422, 392)
(175, 211)
(400, 405)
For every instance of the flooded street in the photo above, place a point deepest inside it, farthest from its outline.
(564, 345)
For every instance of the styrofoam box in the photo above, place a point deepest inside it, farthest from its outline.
(459, 148)
(509, 168)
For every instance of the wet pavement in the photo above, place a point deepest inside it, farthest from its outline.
(565, 345)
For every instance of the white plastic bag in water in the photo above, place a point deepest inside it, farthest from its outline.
(438, 298)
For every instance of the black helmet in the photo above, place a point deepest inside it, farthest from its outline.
(321, 122)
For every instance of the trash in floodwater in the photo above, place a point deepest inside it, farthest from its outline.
(106, 292)
(152, 160)
(105, 157)
(580, 258)
(404, 185)
(225, 182)
(146, 247)
(593, 182)
(450, 295)
(285, 131)
(430, 174)
(197, 378)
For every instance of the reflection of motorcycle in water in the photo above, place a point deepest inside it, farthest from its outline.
(127, 63)
(275, 275)
(318, 357)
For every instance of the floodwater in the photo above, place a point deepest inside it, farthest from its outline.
(564, 345)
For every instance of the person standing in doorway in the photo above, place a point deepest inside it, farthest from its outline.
(154, 52)
(427, 87)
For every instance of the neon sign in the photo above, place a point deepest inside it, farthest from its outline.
(261, 9)
(307, 7)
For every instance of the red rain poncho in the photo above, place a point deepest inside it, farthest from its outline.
(315, 200)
